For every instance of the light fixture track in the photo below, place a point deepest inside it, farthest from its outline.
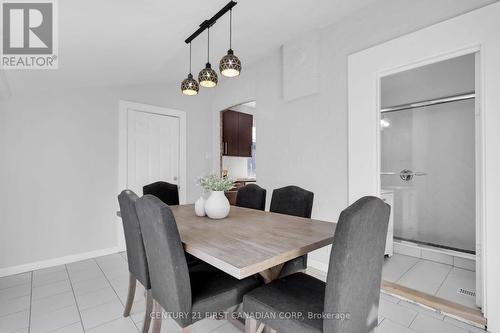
(208, 23)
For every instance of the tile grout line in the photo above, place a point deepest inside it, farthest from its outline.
(48, 283)
(53, 295)
(116, 293)
(14, 298)
(109, 282)
(139, 329)
(31, 302)
(74, 297)
(106, 322)
(15, 285)
(415, 264)
(414, 318)
(442, 282)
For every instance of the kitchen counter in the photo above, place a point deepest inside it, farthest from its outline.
(238, 182)
(248, 179)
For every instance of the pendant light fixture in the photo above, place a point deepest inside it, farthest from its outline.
(189, 86)
(230, 65)
(208, 77)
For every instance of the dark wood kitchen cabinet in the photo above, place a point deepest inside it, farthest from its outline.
(237, 134)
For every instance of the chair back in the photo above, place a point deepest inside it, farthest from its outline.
(136, 254)
(168, 270)
(251, 196)
(166, 192)
(355, 269)
(292, 200)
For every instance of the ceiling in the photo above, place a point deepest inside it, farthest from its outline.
(124, 42)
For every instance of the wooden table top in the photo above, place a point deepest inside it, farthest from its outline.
(249, 241)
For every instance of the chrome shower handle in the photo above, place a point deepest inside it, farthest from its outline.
(405, 174)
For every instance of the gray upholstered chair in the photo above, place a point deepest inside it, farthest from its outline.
(293, 200)
(136, 255)
(251, 196)
(166, 192)
(348, 302)
(169, 194)
(175, 288)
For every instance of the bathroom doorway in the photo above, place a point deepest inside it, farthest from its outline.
(474, 32)
(429, 175)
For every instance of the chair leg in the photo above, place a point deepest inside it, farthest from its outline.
(132, 282)
(156, 320)
(149, 310)
(250, 325)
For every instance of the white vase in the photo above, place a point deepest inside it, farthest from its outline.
(217, 205)
(199, 206)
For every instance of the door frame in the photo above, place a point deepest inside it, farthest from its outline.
(473, 32)
(124, 106)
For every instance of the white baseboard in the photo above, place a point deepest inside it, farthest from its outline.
(57, 261)
(317, 265)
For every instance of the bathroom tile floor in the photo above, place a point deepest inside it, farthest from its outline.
(89, 296)
(431, 277)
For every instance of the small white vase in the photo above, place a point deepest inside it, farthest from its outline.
(199, 206)
(217, 205)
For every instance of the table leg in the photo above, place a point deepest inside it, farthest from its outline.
(272, 273)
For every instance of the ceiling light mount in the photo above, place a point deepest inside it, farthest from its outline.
(208, 23)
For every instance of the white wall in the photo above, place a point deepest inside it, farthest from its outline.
(304, 142)
(59, 162)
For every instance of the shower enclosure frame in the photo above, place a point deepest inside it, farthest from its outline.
(474, 32)
(415, 106)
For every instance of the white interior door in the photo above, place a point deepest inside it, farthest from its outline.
(153, 149)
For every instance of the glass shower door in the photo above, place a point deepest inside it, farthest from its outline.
(428, 160)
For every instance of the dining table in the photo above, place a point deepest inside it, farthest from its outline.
(250, 241)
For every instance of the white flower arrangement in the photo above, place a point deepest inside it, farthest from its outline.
(216, 183)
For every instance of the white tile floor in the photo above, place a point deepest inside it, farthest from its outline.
(431, 277)
(88, 296)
